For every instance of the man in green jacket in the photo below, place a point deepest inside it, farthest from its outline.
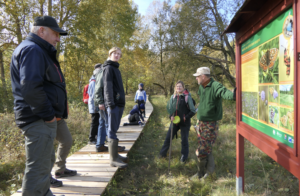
(209, 112)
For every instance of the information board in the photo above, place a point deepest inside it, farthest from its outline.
(267, 75)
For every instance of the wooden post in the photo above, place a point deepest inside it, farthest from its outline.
(239, 164)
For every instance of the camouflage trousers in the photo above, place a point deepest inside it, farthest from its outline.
(207, 132)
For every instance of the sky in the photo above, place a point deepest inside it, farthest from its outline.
(144, 4)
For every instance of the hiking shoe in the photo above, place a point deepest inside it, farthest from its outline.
(93, 142)
(183, 159)
(121, 148)
(65, 173)
(55, 183)
(102, 148)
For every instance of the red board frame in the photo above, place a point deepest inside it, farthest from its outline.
(282, 154)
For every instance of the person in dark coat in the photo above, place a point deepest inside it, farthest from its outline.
(114, 101)
(181, 105)
(40, 106)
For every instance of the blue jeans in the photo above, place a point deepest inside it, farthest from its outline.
(114, 120)
(102, 128)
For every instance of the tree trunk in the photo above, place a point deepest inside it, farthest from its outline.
(2, 75)
(58, 48)
(49, 7)
(42, 7)
(163, 88)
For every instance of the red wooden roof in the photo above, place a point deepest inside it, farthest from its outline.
(248, 10)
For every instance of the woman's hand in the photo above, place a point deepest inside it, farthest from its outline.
(172, 118)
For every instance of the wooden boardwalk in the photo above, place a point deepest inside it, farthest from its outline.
(93, 168)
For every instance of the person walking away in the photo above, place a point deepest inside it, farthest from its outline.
(141, 97)
(40, 100)
(209, 113)
(183, 107)
(114, 100)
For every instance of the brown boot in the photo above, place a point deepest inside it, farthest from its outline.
(102, 148)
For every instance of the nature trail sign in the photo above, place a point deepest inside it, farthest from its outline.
(267, 61)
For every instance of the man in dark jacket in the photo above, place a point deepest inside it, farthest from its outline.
(209, 113)
(40, 105)
(114, 100)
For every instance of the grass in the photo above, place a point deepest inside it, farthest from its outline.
(148, 175)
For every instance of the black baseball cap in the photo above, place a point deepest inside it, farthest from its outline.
(48, 21)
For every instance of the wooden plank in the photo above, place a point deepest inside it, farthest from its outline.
(99, 178)
(74, 189)
(93, 156)
(90, 152)
(88, 164)
(90, 161)
(82, 175)
(81, 169)
(74, 194)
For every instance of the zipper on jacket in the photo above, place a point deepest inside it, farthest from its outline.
(58, 73)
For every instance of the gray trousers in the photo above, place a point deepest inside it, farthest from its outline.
(39, 137)
(64, 138)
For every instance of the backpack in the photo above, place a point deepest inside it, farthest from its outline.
(85, 98)
(99, 86)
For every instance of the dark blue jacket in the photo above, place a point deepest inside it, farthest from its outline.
(38, 84)
(135, 110)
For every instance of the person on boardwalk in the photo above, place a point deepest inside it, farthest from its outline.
(99, 103)
(114, 100)
(141, 97)
(135, 116)
(40, 105)
(209, 112)
(181, 105)
(94, 111)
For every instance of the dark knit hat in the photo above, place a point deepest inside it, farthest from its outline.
(142, 85)
(142, 106)
(97, 65)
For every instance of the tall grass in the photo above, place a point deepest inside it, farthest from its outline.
(148, 175)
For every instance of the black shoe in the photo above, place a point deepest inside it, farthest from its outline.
(65, 173)
(102, 148)
(93, 142)
(121, 148)
(183, 159)
(55, 183)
